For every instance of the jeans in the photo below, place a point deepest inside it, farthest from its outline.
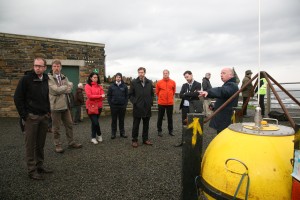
(95, 126)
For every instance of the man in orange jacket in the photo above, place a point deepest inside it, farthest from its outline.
(165, 91)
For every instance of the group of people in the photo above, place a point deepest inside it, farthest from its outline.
(40, 96)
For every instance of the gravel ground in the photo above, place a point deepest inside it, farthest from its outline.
(110, 170)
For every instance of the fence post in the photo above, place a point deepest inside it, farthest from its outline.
(191, 155)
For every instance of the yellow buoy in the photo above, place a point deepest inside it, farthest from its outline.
(263, 156)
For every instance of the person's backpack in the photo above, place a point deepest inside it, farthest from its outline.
(278, 115)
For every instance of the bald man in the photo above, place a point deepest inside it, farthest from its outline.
(223, 119)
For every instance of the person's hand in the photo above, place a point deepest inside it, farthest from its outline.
(203, 94)
(69, 89)
(103, 95)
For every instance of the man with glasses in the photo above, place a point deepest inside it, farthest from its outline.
(32, 102)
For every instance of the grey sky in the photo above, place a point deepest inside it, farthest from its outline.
(197, 35)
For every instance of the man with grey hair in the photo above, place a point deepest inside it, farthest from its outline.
(165, 91)
(223, 119)
(207, 101)
(59, 89)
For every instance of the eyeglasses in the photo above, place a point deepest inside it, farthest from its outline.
(39, 66)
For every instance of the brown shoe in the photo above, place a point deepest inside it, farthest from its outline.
(36, 176)
(75, 145)
(59, 149)
(147, 142)
(43, 170)
(134, 144)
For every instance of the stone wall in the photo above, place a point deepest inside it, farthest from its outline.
(18, 51)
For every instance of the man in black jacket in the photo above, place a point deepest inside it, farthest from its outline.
(223, 119)
(141, 96)
(117, 97)
(190, 102)
(207, 101)
(32, 102)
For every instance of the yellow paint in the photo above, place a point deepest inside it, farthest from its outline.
(263, 128)
(267, 159)
(264, 123)
(233, 117)
(196, 129)
(297, 136)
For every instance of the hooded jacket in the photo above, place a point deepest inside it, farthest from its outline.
(32, 95)
(94, 94)
(165, 91)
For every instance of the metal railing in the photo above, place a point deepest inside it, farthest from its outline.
(272, 103)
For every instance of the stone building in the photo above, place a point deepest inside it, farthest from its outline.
(17, 52)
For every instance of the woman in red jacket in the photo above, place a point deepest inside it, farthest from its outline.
(95, 95)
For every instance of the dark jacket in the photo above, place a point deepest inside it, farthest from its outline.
(247, 90)
(32, 95)
(117, 96)
(78, 97)
(206, 84)
(141, 97)
(223, 119)
(190, 95)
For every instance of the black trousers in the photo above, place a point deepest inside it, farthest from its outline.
(184, 112)
(161, 112)
(136, 126)
(244, 102)
(117, 113)
(262, 104)
(77, 114)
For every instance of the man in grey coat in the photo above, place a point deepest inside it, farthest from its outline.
(59, 89)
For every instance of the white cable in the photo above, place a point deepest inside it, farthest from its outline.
(258, 78)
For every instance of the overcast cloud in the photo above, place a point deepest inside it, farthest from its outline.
(197, 35)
